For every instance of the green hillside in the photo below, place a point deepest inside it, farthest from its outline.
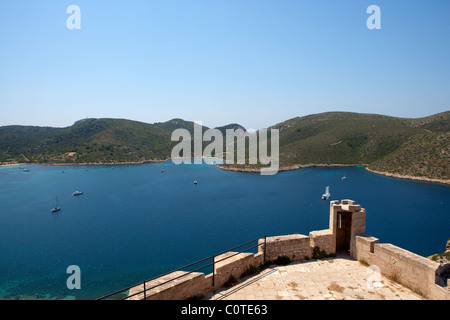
(92, 141)
(340, 138)
(232, 126)
(89, 140)
(424, 155)
(174, 124)
(415, 147)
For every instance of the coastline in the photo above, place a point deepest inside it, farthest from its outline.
(10, 164)
(408, 177)
(246, 170)
(83, 163)
(289, 168)
(296, 167)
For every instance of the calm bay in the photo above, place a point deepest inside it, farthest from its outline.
(133, 222)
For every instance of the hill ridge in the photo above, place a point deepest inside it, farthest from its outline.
(417, 147)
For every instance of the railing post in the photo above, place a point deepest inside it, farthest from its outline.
(145, 292)
(214, 270)
(265, 246)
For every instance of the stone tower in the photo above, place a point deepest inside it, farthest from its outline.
(347, 220)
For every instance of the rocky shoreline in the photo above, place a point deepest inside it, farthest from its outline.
(247, 170)
(287, 168)
(397, 175)
(83, 163)
(296, 167)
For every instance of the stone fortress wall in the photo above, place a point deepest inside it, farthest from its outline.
(346, 233)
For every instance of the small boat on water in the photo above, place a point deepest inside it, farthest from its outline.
(195, 181)
(77, 193)
(343, 178)
(327, 194)
(26, 170)
(57, 206)
(162, 170)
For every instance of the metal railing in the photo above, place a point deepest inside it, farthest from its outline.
(143, 283)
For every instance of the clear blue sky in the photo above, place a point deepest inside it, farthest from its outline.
(255, 62)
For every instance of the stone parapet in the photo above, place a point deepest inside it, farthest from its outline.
(178, 285)
(295, 246)
(324, 239)
(407, 268)
(232, 265)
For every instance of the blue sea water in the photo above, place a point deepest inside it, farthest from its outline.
(134, 222)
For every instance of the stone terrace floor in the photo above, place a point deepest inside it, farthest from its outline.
(339, 278)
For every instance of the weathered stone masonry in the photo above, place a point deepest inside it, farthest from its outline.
(346, 233)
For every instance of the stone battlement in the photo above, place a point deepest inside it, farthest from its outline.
(346, 233)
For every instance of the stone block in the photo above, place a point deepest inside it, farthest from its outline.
(295, 246)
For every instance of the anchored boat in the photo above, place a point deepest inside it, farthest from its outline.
(57, 206)
(327, 194)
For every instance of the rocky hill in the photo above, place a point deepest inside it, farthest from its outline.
(418, 148)
(91, 141)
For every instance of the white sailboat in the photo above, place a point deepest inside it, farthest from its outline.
(327, 194)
